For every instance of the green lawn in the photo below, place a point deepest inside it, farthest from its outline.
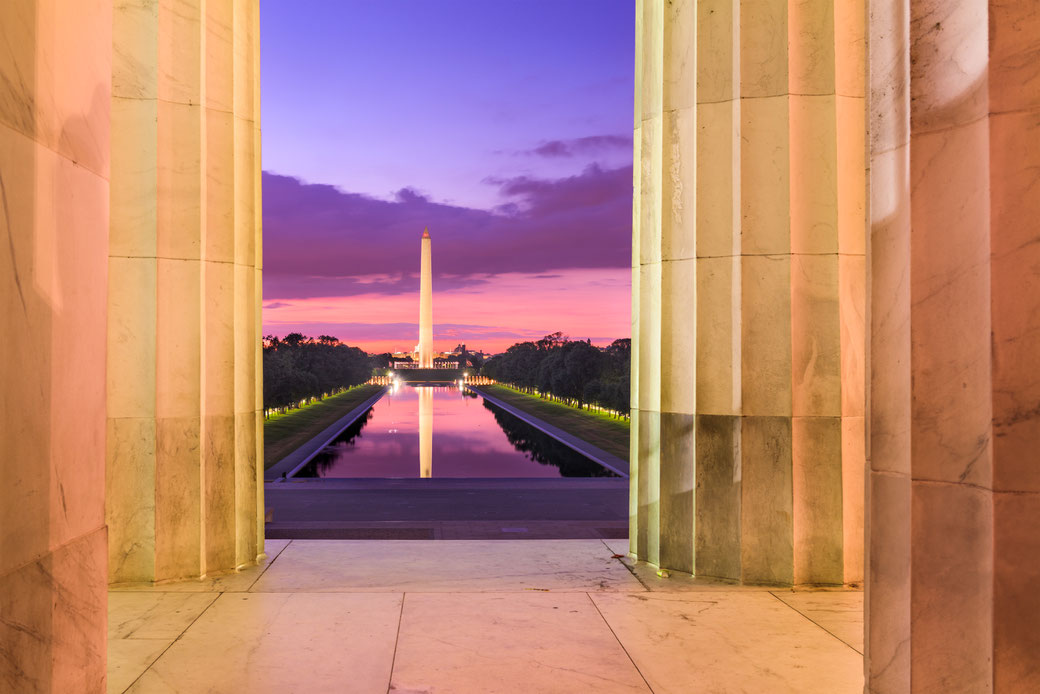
(597, 428)
(283, 434)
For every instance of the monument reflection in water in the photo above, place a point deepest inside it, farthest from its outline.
(414, 430)
(425, 432)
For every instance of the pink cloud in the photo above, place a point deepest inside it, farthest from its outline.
(584, 303)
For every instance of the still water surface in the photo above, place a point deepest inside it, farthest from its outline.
(440, 431)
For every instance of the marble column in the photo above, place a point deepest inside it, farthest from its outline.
(954, 491)
(55, 72)
(1014, 160)
(748, 279)
(184, 414)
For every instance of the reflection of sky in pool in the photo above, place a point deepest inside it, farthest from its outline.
(464, 439)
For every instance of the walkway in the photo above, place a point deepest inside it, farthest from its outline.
(474, 617)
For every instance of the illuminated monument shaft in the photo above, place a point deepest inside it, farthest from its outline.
(425, 305)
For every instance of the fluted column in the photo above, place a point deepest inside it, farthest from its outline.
(645, 485)
(887, 596)
(749, 326)
(955, 330)
(184, 439)
(718, 305)
(55, 82)
(1014, 142)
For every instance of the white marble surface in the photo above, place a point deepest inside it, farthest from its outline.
(129, 658)
(144, 619)
(775, 179)
(838, 612)
(181, 158)
(524, 616)
(729, 642)
(495, 642)
(445, 566)
(56, 70)
(233, 581)
(142, 625)
(655, 580)
(282, 643)
(154, 615)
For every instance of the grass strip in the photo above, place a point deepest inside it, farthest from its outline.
(283, 434)
(598, 428)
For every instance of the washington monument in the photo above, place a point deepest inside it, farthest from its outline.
(425, 305)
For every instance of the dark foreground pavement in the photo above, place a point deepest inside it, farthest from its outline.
(447, 508)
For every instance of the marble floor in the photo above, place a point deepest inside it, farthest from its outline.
(473, 616)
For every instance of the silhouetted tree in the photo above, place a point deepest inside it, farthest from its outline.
(573, 370)
(380, 362)
(297, 367)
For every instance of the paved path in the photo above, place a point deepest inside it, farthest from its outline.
(288, 465)
(607, 460)
(472, 616)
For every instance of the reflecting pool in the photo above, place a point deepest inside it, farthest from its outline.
(442, 431)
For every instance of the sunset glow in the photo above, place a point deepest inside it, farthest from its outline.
(522, 171)
(582, 303)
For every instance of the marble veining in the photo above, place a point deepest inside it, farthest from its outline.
(475, 566)
(559, 638)
(732, 642)
(774, 180)
(218, 582)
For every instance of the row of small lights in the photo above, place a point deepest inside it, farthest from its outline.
(590, 405)
(396, 382)
(302, 403)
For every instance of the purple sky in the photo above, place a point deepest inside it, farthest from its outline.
(504, 126)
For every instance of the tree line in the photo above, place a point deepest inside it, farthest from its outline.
(571, 370)
(298, 368)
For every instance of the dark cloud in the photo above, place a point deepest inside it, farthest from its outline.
(289, 286)
(271, 305)
(410, 195)
(593, 144)
(321, 241)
